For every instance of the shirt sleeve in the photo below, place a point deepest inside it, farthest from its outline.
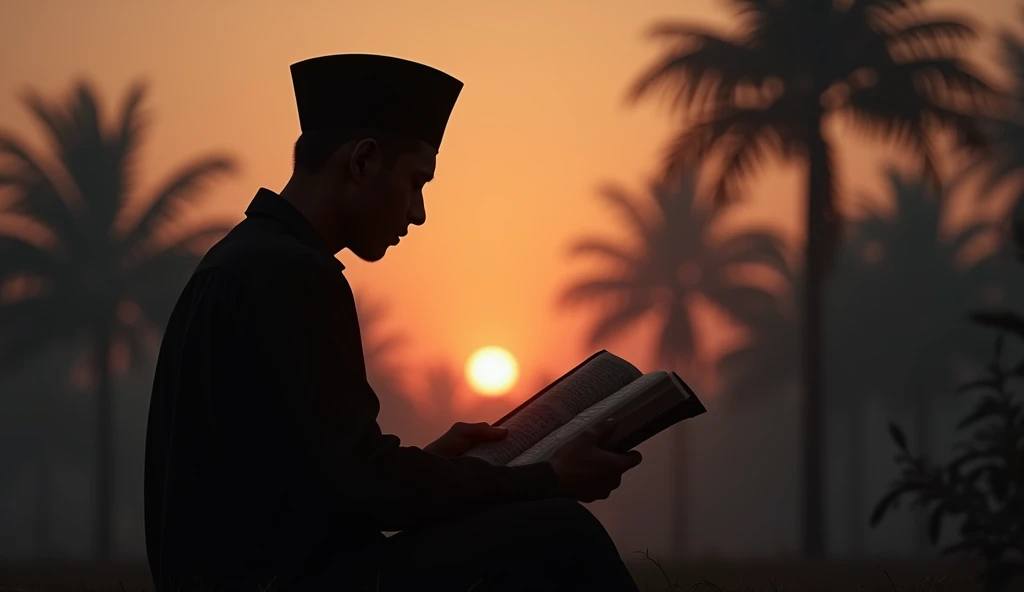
(315, 342)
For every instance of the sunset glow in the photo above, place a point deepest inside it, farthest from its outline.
(492, 371)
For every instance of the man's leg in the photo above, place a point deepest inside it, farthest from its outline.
(552, 544)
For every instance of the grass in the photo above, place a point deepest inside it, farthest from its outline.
(806, 576)
(651, 574)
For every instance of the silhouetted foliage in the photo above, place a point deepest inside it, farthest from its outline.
(983, 485)
(77, 259)
(769, 88)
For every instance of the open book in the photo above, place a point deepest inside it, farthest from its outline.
(602, 386)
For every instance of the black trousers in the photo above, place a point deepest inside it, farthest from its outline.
(553, 544)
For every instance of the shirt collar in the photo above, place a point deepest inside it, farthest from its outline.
(270, 204)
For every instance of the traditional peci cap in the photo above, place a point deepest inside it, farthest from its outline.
(363, 90)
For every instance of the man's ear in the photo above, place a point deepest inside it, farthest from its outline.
(365, 160)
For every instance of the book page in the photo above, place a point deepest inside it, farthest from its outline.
(588, 418)
(594, 381)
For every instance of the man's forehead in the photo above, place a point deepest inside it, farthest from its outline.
(424, 162)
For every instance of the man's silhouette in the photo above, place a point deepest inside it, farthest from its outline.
(264, 460)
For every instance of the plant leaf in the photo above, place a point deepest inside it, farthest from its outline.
(897, 435)
(886, 503)
(1005, 320)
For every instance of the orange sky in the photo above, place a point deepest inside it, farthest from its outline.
(541, 123)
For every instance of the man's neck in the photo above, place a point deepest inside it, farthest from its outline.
(304, 197)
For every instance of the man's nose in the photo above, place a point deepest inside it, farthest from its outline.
(417, 214)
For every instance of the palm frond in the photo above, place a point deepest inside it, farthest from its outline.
(630, 212)
(89, 155)
(896, 113)
(57, 125)
(742, 138)
(590, 289)
(125, 141)
(865, 8)
(1004, 161)
(183, 188)
(18, 256)
(37, 195)
(934, 36)
(387, 345)
(378, 349)
(616, 320)
(971, 233)
(744, 7)
(946, 78)
(1013, 60)
(752, 246)
(677, 197)
(195, 240)
(602, 248)
(713, 68)
(131, 124)
(155, 282)
(744, 303)
(864, 207)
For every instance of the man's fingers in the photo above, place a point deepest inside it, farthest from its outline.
(480, 431)
(603, 430)
(633, 458)
(626, 461)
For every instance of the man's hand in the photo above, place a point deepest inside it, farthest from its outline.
(462, 436)
(585, 471)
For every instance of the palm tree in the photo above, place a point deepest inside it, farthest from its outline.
(76, 260)
(673, 261)
(771, 88)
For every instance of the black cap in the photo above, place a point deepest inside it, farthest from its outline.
(374, 91)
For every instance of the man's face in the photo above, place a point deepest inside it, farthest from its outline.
(388, 200)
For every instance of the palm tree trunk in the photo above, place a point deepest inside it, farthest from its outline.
(818, 194)
(922, 430)
(681, 499)
(855, 479)
(43, 504)
(104, 438)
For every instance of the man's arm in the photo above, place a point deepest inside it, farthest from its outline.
(317, 349)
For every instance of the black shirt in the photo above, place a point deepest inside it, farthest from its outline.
(263, 453)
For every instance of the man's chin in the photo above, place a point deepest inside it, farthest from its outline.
(371, 255)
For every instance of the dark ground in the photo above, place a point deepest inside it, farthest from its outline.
(711, 575)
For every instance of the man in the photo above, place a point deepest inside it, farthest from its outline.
(264, 461)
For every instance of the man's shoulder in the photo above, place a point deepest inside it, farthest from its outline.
(260, 252)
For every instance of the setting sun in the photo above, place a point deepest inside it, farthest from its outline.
(492, 371)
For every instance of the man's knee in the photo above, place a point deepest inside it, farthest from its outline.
(564, 517)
